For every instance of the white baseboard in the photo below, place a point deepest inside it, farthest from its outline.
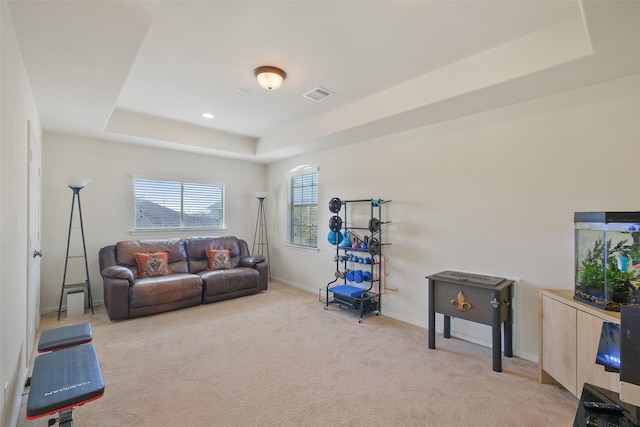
(48, 310)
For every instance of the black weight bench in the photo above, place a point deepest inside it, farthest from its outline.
(66, 336)
(62, 380)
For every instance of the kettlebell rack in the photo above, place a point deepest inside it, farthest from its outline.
(356, 289)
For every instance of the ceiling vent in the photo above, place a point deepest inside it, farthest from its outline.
(318, 94)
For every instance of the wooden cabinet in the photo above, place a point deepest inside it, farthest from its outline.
(558, 345)
(569, 337)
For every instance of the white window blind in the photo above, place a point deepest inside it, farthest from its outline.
(162, 204)
(303, 208)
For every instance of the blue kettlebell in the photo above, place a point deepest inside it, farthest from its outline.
(346, 241)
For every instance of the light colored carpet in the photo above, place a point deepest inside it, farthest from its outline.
(279, 359)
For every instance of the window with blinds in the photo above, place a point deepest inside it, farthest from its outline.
(303, 207)
(174, 204)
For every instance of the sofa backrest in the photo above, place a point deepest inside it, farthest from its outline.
(125, 253)
(197, 250)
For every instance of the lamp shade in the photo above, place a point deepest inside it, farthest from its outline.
(77, 182)
(261, 194)
(270, 77)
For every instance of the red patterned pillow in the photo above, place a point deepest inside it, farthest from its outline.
(153, 265)
(219, 259)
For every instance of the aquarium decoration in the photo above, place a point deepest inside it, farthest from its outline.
(607, 258)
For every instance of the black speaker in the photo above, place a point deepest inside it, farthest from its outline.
(630, 354)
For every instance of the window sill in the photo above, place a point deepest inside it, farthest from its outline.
(302, 248)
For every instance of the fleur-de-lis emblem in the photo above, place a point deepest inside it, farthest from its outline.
(461, 302)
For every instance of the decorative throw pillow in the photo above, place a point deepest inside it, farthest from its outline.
(153, 265)
(219, 259)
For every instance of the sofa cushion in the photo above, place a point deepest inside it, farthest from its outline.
(219, 259)
(164, 290)
(153, 265)
(225, 281)
(125, 253)
(196, 248)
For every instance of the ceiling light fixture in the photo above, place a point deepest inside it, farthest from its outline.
(270, 78)
(207, 115)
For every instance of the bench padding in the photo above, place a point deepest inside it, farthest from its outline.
(66, 336)
(63, 379)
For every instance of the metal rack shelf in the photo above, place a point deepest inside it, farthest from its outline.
(369, 300)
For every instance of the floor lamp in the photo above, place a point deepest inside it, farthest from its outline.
(260, 237)
(76, 185)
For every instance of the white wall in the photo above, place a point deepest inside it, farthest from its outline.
(16, 109)
(493, 193)
(107, 201)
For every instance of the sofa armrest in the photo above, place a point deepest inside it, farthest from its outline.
(263, 269)
(260, 263)
(250, 261)
(117, 272)
(116, 282)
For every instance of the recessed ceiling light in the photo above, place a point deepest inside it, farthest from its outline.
(207, 115)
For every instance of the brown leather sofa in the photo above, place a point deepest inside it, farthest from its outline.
(190, 281)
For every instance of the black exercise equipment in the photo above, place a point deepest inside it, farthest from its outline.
(66, 336)
(335, 223)
(374, 246)
(374, 225)
(62, 380)
(335, 205)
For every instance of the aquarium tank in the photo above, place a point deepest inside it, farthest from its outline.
(607, 258)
